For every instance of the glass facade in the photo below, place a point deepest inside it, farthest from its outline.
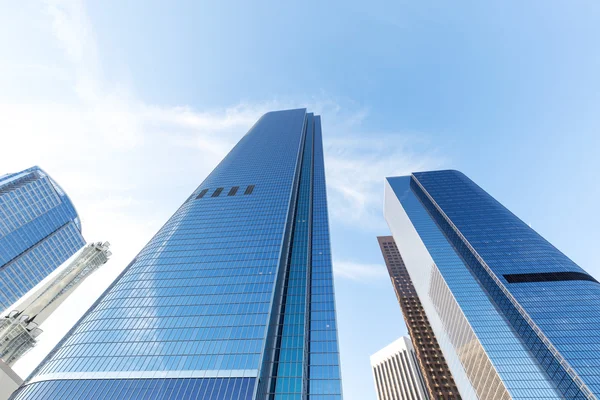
(39, 230)
(228, 300)
(517, 318)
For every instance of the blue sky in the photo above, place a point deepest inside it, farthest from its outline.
(130, 104)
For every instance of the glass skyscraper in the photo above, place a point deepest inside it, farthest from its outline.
(231, 299)
(515, 318)
(39, 230)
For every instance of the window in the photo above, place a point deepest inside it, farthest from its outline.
(202, 193)
(549, 277)
(249, 189)
(217, 192)
(233, 191)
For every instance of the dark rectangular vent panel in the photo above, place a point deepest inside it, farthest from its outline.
(549, 277)
(249, 189)
(202, 193)
(233, 191)
(217, 192)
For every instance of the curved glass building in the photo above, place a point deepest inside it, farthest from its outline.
(515, 317)
(39, 230)
(232, 298)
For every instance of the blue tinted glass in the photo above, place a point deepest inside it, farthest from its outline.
(141, 389)
(39, 230)
(487, 323)
(198, 312)
(324, 375)
(551, 313)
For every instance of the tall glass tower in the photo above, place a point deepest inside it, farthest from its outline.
(39, 230)
(232, 298)
(515, 317)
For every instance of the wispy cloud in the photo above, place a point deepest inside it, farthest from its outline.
(99, 124)
(358, 160)
(127, 163)
(359, 272)
(101, 141)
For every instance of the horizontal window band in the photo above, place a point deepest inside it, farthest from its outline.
(549, 277)
(222, 373)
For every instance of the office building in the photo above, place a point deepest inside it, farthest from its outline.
(231, 299)
(396, 372)
(432, 364)
(20, 328)
(514, 317)
(39, 230)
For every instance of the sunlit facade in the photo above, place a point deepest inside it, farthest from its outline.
(514, 317)
(39, 230)
(396, 372)
(231, 299)
(20, 326)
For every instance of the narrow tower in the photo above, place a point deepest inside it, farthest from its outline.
(20, 328)
(431, 361)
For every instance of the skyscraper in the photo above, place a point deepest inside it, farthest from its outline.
(514, 317)
(231, 299)
(396, 372)
(39, 230)
(431, 361)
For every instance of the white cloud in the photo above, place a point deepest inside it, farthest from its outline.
(127, 164)
(357, 164)
(359, 272)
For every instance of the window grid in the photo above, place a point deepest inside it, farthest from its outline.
(474, 242)
(195, 303)
(39, 230)
(508, 245)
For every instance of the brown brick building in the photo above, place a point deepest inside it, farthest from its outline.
(434, 368)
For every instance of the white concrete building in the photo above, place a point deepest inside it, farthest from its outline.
(19, 328)
(396, 372)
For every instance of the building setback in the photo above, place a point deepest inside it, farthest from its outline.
(514, 317)
(396, 372)
(39, 230)
(231, 299)
(431, 361)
